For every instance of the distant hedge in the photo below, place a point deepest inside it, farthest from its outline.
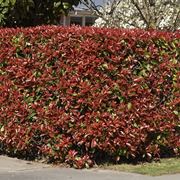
(83, 95)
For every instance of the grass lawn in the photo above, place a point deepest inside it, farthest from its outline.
(165, 166)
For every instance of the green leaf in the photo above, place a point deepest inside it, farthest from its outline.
(176, 112)
(13, 2)
(129, 106)
(158, 137)
(143, 73)
(31, 116)
(74, 94)
(105, 65)
(2, 129)
(66, 5)
(57, 4)
(148, 67)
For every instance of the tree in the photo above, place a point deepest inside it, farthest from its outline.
(156, 14)
(33, 12)
(4, 8)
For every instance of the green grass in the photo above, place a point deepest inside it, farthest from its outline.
(165, 166)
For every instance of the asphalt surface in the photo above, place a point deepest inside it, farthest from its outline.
(14, 169)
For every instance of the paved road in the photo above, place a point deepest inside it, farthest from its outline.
(14, 169)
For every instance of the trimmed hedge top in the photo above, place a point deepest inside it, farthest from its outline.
(82, 95)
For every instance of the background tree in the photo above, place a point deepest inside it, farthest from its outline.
(157, 14)
(33, 12)
(5, 6)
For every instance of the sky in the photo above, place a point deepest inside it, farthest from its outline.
(97, 2)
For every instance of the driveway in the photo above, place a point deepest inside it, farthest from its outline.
(15, 169)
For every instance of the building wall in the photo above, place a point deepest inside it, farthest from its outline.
(78, 17)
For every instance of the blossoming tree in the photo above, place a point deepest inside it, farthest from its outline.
(157, 14)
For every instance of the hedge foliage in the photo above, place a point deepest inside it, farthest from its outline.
(82, 95)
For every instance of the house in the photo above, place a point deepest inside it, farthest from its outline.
(80, 16)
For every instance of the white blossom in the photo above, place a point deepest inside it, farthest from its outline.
(159, 14)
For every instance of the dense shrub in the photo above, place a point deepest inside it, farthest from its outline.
(82, 95)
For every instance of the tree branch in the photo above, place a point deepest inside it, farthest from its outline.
(140, 12)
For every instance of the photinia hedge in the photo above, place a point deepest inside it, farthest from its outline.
(85, 95)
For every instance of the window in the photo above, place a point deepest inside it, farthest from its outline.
(76, 20)
(90, 21)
